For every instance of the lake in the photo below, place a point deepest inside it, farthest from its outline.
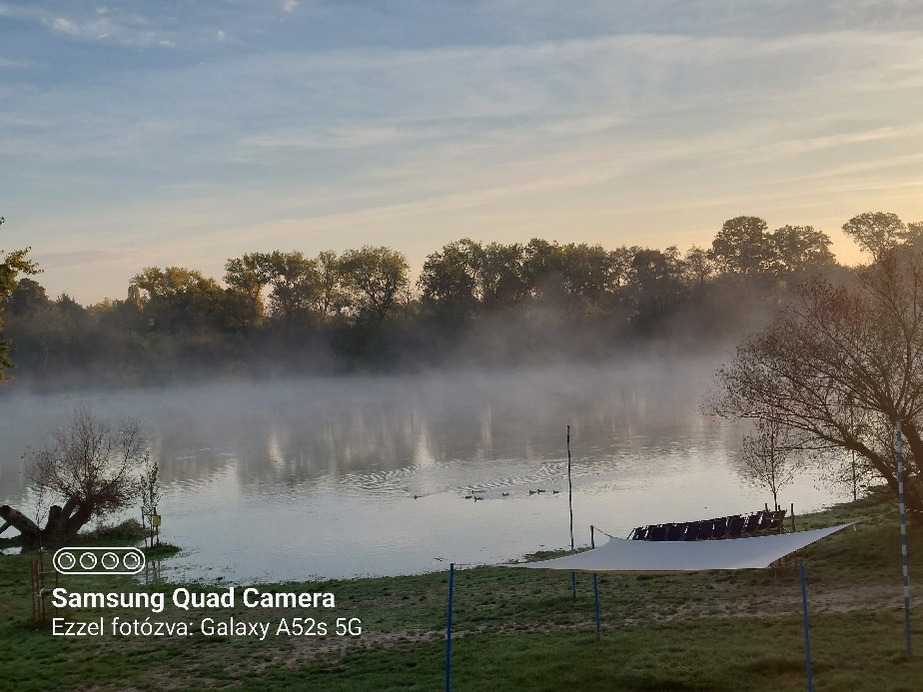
(354, 476)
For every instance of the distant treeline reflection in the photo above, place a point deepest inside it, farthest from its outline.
(366, 434)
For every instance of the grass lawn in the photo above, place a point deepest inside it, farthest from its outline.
(513, 629)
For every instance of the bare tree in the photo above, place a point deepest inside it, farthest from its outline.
(841, 364)
(91, 466)
(766, 454)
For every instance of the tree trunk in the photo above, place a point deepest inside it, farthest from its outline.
(54, 527)
(911, 471)
(62, 522)
(76, 518)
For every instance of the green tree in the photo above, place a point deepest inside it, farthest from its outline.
(742, 247)
(301, 289)
(178, 299)
(246, 277)
(295, 284)
(799, 249)
(698, 268)
(576, 278)
(544, 271)
(621, 260)
(374, 278)
(501, 284)
(12, 264)
(332, 298)
(28, 298)
(655, 286)
(915, 232)
(449, 281)
(876, 232)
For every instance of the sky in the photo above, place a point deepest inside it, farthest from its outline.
(188, 132)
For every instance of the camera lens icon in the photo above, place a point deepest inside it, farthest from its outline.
(111, 560)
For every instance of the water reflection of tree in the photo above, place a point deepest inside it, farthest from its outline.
(357, 431)
(393, 425)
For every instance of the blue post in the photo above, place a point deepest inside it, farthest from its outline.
(448, 631)
(807, 635)
(595, 582)
(900, 487)
(570, 505)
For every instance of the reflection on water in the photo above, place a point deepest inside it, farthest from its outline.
(354, 476)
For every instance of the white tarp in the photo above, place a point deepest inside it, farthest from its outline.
(623, 555)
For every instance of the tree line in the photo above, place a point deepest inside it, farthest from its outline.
(283, 311)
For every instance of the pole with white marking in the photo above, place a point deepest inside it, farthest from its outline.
(900, 490)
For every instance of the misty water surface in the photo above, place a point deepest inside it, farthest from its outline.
(351, 476)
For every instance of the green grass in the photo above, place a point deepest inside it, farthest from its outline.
(520, 629)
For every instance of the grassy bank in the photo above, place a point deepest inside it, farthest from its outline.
(513, 628)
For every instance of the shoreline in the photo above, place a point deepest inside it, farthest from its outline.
(519, 628)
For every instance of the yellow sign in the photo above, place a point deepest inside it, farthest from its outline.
(156, 519)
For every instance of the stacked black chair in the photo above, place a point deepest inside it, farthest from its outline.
(720, 528)
(765, 521)
(776, 519)
(752, 525)
(704, 530)
(735, 526)
(692, 531)
(639, 533)
(675, 532)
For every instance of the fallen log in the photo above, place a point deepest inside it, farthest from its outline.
(18, 520)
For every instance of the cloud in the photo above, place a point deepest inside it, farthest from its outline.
(289, 5)
(339, 137)
(122, 28)
(20, 12)
(7, 63)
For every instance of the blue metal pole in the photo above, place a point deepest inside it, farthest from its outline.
(595, 582)
(570, 505)
(448, 631)
(900, 488)
(807, 635)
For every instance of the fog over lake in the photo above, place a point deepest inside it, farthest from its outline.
(348, 476)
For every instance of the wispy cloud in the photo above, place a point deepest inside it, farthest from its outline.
(20, 11)
(122, 28)
(339, 137)
(8, 63)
